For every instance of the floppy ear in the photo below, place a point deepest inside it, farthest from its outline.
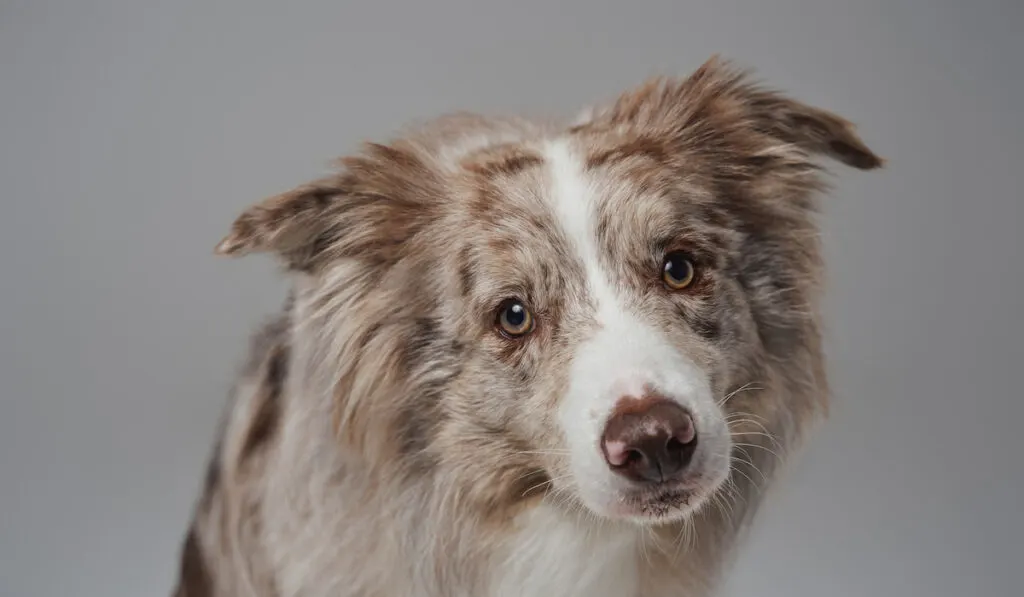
(813, 129)
(719, 103)
(286, 224)
(368, 210)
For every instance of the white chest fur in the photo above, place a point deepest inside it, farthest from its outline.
(555, 554)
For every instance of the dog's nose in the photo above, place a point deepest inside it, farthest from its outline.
(649, 440)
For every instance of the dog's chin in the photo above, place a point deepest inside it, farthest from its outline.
(658, 505)
(663, 505)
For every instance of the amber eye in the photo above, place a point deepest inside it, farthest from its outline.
(678, 271)
(514, 319)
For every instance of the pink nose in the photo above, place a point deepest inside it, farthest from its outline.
(649, 440)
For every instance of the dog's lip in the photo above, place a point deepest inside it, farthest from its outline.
(665, 507)
(659, 502)
(658, 495)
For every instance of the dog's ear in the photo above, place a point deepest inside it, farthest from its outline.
(719, 103)
(284, 224)
(367, 211)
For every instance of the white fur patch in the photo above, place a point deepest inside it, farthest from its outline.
(554, 554)
(625, 355)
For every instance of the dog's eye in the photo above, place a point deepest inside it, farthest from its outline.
(514, 319)
(678, 270)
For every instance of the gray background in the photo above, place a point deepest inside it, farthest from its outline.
(132, 132)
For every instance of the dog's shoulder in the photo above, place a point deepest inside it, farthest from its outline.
(224, 536)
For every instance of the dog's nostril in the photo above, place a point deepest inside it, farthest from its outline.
(633, 457)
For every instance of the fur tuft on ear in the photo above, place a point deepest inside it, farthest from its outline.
(283, 223)
(369, 210)
(720, 101)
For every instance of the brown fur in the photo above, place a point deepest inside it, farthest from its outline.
(385, 441)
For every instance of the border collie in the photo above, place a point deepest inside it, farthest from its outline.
(527, 359)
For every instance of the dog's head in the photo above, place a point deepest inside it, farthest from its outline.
(514, 310)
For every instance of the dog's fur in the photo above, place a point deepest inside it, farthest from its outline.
(385, 440)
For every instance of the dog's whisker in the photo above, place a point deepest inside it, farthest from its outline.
(760, 447)
(546, 482)
(745, 476)
(763, 431)
(745, 414)
(544, 452)
(529, 473)
(749, 386)
(751, 464)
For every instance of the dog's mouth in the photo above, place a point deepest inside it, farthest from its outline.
(662, 504)
(665, 503)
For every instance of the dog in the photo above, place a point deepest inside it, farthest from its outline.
(523, 358)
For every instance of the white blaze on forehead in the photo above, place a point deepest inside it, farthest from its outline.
(624, 354)
(575, 203)
(625, 347)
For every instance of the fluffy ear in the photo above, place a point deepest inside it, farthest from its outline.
(285, 224)
(368, 210)
(721, 102)
(813, 129)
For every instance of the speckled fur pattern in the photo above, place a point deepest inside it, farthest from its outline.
(384, 440)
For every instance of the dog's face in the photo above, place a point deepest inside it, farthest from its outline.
(605, 322)
(519, 312)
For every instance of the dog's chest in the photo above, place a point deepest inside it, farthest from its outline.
(554, 554)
